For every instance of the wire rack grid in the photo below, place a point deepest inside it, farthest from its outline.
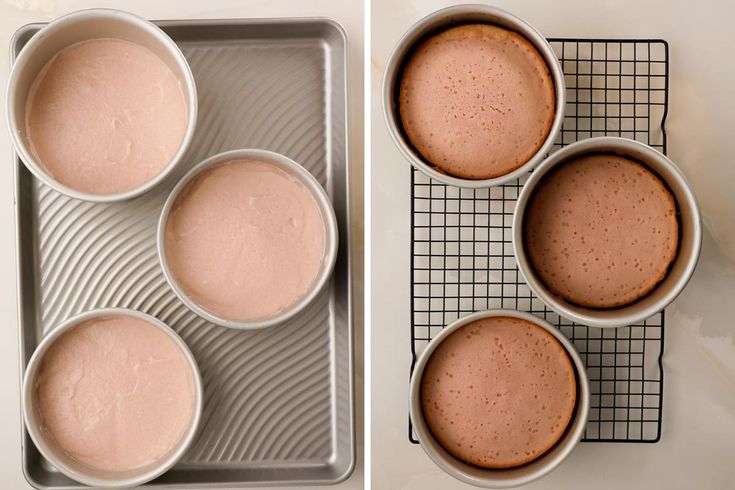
(462, 256)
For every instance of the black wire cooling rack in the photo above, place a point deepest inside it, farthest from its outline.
(462, 257)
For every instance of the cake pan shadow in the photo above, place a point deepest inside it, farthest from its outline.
(690, 235)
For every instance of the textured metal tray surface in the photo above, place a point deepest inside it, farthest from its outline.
(462, 257)
(278, 405)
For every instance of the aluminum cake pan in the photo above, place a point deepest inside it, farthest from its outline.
(278, 404)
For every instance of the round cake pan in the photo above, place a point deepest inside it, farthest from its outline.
(329, 219)
(82, 26)
(56, 455)
(510, 477)
(690, 235)
(444, 19)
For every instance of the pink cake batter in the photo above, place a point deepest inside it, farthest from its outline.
(105, 116)
(245, 240)
(115, 393)
(498, 392)
(477, 101)
(601, 231)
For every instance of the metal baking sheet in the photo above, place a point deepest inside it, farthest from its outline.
(278, 405)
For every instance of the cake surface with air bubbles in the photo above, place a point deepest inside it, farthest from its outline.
(601, 231)
(498, 392)
(476, 101)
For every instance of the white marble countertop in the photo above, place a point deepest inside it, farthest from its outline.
(15, 13)
(697, 447)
